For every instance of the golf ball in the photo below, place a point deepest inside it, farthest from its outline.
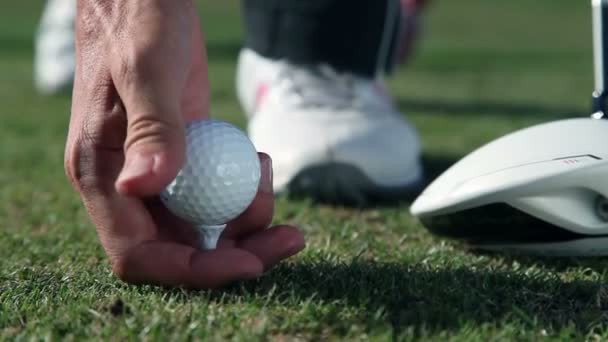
(219, 178)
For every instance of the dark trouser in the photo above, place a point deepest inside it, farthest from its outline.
(358, 36)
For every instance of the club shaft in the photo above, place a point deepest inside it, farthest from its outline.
(600, 54)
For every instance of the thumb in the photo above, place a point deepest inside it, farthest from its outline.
(154, 149)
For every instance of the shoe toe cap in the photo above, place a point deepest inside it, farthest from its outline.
(385, 148)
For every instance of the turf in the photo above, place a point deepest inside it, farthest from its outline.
(484, 68)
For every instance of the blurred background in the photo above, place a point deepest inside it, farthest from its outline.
(483, 68)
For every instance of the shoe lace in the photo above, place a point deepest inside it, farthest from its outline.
(318, 86)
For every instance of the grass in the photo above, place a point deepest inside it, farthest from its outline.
(484, 69)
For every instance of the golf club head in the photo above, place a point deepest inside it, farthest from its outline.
(540, 190)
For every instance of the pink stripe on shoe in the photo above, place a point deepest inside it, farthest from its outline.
(260, 95)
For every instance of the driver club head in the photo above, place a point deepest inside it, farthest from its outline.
(541, 190)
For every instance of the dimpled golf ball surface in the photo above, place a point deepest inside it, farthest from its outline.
(220, 177)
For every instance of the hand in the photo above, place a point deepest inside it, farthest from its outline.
(141, 73)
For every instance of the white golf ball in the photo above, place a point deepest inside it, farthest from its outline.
(220, 177)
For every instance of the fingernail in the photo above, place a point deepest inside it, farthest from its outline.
(266, 176)
(136, 166)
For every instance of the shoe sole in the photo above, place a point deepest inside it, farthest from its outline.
(345, 184)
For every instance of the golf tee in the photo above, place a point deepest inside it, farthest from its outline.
(209, 235)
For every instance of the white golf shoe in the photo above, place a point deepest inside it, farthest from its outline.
(333, 137)
(54, 62)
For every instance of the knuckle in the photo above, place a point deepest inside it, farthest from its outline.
(147, 129)
(68, 164)
(76, 165)
(94, 149)
(87, 171)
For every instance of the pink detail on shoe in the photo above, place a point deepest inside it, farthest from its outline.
(380, 89)
(260, 95)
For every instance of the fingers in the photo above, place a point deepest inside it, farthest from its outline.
(155, 142)
(249, 232)
(149, 246)
(161, 78)
(259, 214)
(274, 244)
(155, 136)
(167, 263)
